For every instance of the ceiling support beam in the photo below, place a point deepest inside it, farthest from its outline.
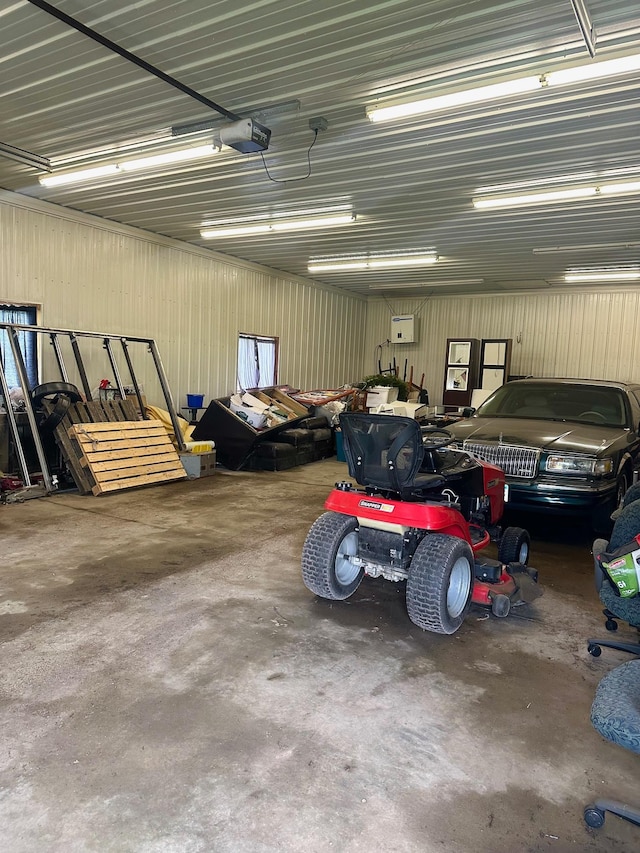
(586, 25)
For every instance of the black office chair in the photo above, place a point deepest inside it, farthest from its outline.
(615, 713)
(626, 527)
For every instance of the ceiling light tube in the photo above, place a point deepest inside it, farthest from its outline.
(610, 274)
(620, 189)
(139, 164)
(594, 71)
(588, 247)
(371, 262)
(181, 156)
(455, 99)
(519, 86)
(535, 198)
(307, 213)
(552, 196)
(280, 225)
(79, 176)
(425, 285)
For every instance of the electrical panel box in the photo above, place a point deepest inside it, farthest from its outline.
(402, 329)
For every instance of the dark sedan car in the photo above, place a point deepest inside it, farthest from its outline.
(570, 445)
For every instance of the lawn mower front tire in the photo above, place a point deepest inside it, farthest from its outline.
(440, 583)
(326, 568)
(514, 546)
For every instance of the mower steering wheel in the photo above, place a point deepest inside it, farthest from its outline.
(435, 437)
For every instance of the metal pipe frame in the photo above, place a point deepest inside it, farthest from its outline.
(14, 342)
(12, 330)
(22, 462)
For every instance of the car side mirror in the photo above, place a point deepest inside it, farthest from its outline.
(468, 411)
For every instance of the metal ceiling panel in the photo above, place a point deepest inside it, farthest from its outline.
(410, 182)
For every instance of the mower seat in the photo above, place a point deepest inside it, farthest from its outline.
(385, 452)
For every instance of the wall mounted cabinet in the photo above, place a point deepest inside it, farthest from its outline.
(461, 371)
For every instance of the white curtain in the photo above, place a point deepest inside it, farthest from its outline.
(256, 362)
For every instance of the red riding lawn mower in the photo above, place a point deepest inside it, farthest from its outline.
(423, 514)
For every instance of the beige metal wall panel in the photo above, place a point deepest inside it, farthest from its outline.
(93, 275)
(589, 334)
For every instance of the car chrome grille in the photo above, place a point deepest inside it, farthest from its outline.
(515, 461)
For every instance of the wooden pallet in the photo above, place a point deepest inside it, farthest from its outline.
(126, 454)
(97, 411)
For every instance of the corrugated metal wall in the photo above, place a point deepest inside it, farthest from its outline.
(90, 274)
(592, 334)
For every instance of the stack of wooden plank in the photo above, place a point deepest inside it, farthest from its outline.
(126, 454)
(94, 412)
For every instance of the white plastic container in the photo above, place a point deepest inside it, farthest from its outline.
(379, 395)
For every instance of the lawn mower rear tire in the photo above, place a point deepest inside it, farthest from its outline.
(440, 583)
(326, 568)
(514, 546)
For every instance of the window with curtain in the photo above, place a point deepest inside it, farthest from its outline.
(257, 361)
(24, 315)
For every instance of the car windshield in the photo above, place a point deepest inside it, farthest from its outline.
(592, 404)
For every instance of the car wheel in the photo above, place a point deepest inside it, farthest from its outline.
(601, 519)
(514, 546)
(440, 583)
(327, 568)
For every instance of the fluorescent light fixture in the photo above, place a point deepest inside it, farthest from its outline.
(620, 189)
(77, 177)
(518, 86)
(388, 260)
(535, 198)
(181, 156)
(455, 99)
(307, 213)
(139, 164)
(276, 225)
(551, 196)
(594, 71)
(425, 285)
(604, 274)
(560, 250)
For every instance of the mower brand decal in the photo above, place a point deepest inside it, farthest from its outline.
(376, 505)
(492, 484)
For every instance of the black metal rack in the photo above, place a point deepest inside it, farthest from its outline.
(109, 341)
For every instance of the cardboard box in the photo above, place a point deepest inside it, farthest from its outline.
(380, 395)
(199, 464)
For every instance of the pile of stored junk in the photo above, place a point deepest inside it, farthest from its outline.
(273, 429)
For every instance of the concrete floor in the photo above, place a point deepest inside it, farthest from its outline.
(169, 684)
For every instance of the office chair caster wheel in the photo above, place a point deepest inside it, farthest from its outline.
(593, 817)
(611, 625)
(501, 605)
(594, 650)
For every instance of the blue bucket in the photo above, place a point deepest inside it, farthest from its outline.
(195, 401)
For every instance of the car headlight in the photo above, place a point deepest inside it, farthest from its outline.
(579, 465)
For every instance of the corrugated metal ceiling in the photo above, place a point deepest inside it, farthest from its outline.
(410, 182)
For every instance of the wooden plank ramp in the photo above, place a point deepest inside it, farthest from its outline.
(126, 454)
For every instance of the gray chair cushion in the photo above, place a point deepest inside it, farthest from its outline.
(615, 712)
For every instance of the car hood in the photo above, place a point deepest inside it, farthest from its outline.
(555, 436)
